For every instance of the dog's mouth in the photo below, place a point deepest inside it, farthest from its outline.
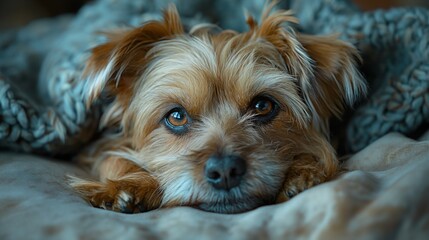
(233, 205)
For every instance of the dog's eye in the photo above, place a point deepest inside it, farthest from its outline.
(177, 120)
(264, 108)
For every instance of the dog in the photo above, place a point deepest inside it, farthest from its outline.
(215, 119)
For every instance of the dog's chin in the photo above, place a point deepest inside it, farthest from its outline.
(234, 206)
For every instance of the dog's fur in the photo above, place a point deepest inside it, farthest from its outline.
(215, 76)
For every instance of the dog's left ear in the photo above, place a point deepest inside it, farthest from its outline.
(335, 80)
(324, 67)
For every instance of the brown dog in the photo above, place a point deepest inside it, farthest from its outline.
(224, 122)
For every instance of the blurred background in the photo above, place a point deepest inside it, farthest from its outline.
(16, 13)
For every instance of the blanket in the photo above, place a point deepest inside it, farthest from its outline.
(41, 105)
(385, 195)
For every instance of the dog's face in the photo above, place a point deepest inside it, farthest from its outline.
(218, 118)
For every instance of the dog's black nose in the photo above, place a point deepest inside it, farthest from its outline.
(224, 172)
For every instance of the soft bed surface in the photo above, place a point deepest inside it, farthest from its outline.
(385, 195)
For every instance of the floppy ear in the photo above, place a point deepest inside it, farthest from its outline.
(115, 65)
(336, 82)
(325, 68)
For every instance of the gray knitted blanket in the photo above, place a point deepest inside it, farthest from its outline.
(42, 111)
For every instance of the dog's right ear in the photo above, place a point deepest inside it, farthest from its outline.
(115, 65)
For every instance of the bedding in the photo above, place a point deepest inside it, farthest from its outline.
(385, 195)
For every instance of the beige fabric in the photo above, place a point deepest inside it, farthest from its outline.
(385, 196)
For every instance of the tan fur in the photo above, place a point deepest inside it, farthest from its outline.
(215, 77)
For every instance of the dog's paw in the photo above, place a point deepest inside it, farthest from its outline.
(304, 173)
(296, 184)
(118, 196)
(118, 201)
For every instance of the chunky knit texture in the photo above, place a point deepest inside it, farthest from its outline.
(41, 105)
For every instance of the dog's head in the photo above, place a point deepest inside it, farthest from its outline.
(218, 117)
